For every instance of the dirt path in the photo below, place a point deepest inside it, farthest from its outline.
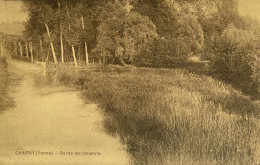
(53, 119)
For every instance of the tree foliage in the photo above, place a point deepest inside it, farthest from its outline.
(154, 33)
(234, 59)
(122, 34)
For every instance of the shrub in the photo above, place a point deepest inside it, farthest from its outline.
(234, 60)
(22, 58)
(172, 52)
(122, 35)
(162, 54)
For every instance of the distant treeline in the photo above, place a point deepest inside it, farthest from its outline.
(15, 28)
(151, 33)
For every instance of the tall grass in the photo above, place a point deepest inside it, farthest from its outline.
(21, 58)
(173, 117)
(5, 100)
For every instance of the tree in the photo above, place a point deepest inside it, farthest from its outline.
(61, 32)
(234, 36)
(72, 34)
(123, 34)
(234, 59)
(80, 9)
(189, 35)
(160, 13)
(41, 18)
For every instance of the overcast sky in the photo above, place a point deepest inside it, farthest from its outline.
(10, 11)
(250, 7)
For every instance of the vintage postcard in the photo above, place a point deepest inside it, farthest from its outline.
(129, 82)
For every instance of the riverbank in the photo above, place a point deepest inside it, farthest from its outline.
(166, 116)
(5, 100)
(51, 124)
(173, 117)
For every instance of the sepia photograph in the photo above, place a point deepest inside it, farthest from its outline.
(129, 82)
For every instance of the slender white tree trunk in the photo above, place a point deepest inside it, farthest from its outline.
(74, 56)
(86, 53)
(68, 15)
(85, 43)
(53, 53)
(61, 48)
(72, 46)
(61, 38)
(51, 43)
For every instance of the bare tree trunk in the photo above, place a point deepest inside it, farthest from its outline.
(61, 40)
(26, 49)
(31, 51)
(74, 56)
(86, 53)
(61, 48)
(72, 46)
(82, 22)
(21, 49)
(68, 15)
(53, 53)
(52, 47)
(85, 43)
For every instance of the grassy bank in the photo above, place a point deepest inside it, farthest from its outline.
(171, 116)
(5, 100)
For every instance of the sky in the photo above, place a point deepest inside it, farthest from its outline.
(10, 10)
(250, 7)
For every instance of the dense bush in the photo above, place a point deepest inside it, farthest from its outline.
(122, 34)
(234, 59)
(173, 52)
(162, 53)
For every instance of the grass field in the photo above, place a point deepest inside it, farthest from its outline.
(171, 116)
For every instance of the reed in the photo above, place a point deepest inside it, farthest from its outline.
(173, 117)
